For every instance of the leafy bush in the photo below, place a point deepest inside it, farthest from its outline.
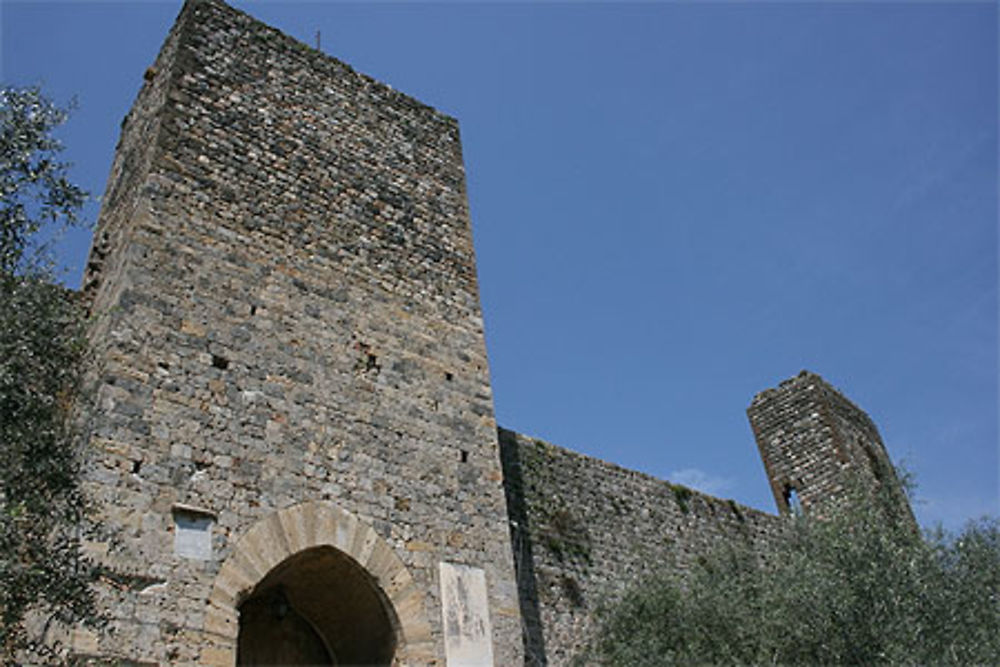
(858, 586)
(41, 348)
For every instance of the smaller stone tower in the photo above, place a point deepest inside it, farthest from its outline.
(812, 440)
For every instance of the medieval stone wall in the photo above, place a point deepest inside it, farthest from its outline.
(110, 250)
(293, 399)
(812, 438)
(585, 530)
(288, 313)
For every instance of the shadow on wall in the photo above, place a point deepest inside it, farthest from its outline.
(534, 641)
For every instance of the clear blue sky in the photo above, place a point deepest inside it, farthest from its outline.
(675, 206)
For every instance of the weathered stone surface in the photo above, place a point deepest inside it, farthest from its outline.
(466, 615)
(812, 439)
(286, 312)
(585, 530)
(292, 406)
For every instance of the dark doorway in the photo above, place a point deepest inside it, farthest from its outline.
(318, 607)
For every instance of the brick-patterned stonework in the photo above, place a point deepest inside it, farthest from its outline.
(292, 394)
(812, 438)
(585, 530)
(287, 312)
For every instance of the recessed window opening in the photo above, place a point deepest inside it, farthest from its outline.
(220, 362)
(792, 501)
(873, 461)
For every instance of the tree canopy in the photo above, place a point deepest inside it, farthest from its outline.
(857, 586)
(41, 349)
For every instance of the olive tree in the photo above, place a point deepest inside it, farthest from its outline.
(859, 585)
(42, 572)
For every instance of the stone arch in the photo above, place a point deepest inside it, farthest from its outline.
(311, 527)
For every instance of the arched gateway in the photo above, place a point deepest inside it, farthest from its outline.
(314, 584)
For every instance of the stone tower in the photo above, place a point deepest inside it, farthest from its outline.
(294, 456)
(812, 440)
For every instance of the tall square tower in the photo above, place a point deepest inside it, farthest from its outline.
(293, 449)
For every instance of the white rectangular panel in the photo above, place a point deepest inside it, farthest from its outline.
(468, 639)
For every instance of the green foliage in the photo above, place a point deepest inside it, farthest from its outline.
(682, 495)
(735, 508)
(34, 190)
(853, 587)
(565, 536)
(41, 347)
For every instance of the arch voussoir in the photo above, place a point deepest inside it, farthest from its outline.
(365, 539)
(294, 530)
(344, 530)
(293, 527)
(231, 581)
(379, 562)
(222, 621)
(269, 542)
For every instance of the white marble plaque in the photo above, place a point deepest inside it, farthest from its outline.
(468, 639)
(192, 534)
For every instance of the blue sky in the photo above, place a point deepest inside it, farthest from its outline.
(675, 206)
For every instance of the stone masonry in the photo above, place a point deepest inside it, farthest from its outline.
(286, 313)
(585, 530)
(811, 438)
(293, 455)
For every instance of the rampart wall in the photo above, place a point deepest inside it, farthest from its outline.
(585, 530)
(293, 392)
